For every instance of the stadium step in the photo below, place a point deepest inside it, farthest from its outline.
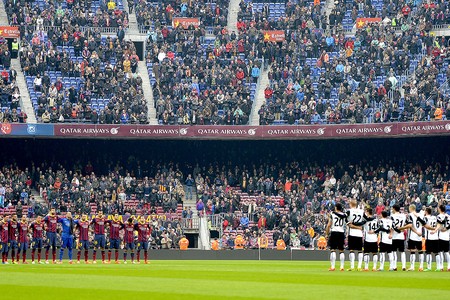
(3, 16)
(25, 101)
(192, 203)
(233, 10)
(263, 81)
(148, 93)
(133, 28)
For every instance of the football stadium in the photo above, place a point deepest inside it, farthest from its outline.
(241, 149)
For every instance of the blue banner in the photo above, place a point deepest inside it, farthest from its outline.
(16, 129)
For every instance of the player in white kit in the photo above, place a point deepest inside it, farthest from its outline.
(336, 232)
(386, 233)
(398, 237)
(431, 239)
(355, 219)
(414, 223)
(443, 228)
(371, 229)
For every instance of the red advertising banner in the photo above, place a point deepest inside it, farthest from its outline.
(274, 36)
(9, 31)
(185, 22)
(324, 131)
(361, 22)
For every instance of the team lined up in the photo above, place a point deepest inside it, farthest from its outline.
(378, 237)
(14, 237)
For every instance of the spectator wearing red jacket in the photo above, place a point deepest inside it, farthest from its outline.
(268, 92)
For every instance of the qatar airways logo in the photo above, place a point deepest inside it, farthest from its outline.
(89, 130)
(426, 128)
(364, 130)
(233, 132)
(297, 131)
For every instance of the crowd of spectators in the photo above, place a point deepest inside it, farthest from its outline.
(105, 68)
(293, 198)
(86, 13)
(202, 81)
(299, 14)
(288, 200)
(158, 15)
(321, 77)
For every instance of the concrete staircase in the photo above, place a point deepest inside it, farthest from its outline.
(193, 202)
(233, 10)
(3, 16)
(25, 101)
(148, 93)
(133, 28)
(259, 96)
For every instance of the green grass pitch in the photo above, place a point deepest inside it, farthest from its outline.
(216, 280)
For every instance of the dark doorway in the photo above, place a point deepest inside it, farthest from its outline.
(139, 49)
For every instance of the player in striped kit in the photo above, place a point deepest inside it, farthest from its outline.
(443, 228)
(128, 239)
(398, 237)
(4, 237)
(415, 224)
(336, 232)
(37, 228)
(115, 225)
(51, 224)
(23, 240)
(355, 220)
(13, 228)
(83, 238)
(386, 233)
(371, 229)
(99, 236)
(431, 239)
(144, 230)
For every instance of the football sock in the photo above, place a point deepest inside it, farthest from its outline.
(39, 254)
(360, 259)
(382, 259)
(132, 256)
(125, 256)
(70, 254)
(428, 261)
(375, 261)
(103, 255)
(412, 259)
(420, 260)
(366, 261)
(46, 254)
(116, 254)
(109, 255)
(438, 261)
(391, 261)
(138, 255)
(94, 256)
(145, 255)
(333, 259)
(13, 254)
(441, 265)
(24, 256)
(78, 255)
(54, 254)
(394, 259)
(403, 255)
(61, 252)
(86, 255)
(342, 257)
(351, 257)
(447, 257)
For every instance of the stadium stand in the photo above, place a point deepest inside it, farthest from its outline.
(83, 77)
